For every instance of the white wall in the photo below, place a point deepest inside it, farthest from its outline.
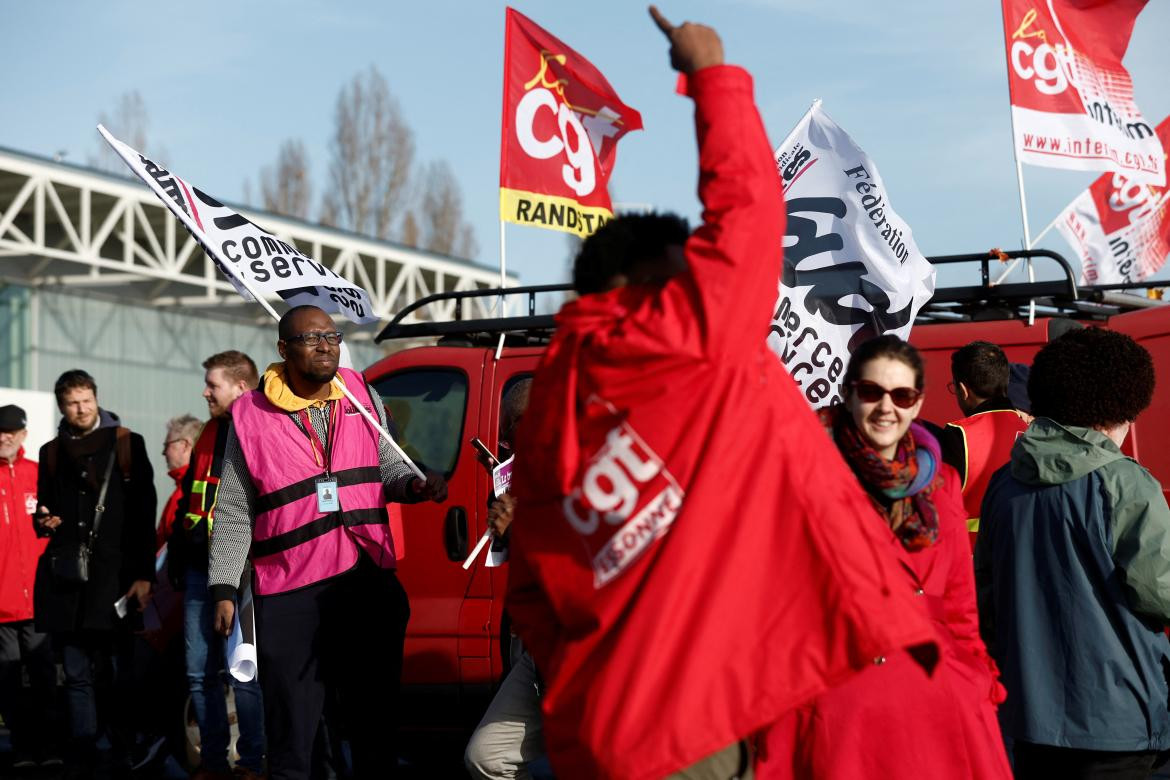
(41, 408)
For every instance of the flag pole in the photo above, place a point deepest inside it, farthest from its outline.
(1019, 171)
(227, 268)
(503, 286)
(377, 426)
(1039, 237)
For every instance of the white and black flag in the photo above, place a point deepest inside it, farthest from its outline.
(243, 250)
(851, 268)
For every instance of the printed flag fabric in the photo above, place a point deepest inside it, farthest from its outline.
(244, 251)
(1072, 100)
(851, 268)
(562, 121)
(1120, 226)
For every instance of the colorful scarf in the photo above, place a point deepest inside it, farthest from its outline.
(900, 489)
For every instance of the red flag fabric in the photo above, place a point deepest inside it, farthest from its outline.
(1120, 227)
(562, 121)
(1072, 99)
(691, 557)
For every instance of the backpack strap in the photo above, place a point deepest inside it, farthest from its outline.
(122, 450)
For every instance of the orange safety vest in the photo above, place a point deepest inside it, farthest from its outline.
(206, 468)
(987, 445)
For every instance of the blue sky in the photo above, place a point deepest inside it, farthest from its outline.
(920, 86)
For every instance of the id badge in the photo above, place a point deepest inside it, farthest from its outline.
(327, 500)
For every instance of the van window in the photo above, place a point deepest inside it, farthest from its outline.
(427, 408)
(512, 381)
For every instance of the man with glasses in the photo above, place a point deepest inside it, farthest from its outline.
(304, 488)
(981, 442)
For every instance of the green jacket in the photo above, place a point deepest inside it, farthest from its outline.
(1052, 454)
(1072, 568)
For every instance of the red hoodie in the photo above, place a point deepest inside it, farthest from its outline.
(687, 560)
(19, 546)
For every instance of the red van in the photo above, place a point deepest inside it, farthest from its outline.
(442, 396)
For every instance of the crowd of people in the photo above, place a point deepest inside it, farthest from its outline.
(706, 580)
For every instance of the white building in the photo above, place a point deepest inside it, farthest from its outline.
(95, 273)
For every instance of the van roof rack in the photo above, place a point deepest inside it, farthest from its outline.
(987, 300)
(1053, 298)
(530, 329)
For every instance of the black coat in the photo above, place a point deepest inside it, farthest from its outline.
(125, 546)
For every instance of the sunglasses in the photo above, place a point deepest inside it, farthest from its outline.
(872, 392)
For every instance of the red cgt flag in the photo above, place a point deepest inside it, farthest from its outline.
(562, 122)
(1072, 99)
(1119, 226)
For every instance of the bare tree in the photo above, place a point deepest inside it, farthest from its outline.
(285, 187)
(129, 123)
(410, 235)
(372, 152)
(443, 228)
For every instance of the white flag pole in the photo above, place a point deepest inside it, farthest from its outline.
(1039, 237)
(227, 267)
(503, 286)
(1019, 176)
(377, 426)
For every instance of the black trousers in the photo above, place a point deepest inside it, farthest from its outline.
(341, 638)
(1043, 762)
(27, 714)
(100, 692)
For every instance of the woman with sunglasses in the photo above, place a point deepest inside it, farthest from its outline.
(909, 714)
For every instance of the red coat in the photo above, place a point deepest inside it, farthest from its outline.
(686, 563)
(893, 721)
(19, 546)
(167, 520)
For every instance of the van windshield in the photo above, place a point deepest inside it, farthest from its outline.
(426, 408)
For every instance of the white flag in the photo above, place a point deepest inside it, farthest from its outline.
(1120, 226)
(242, 250)
(1072, 98)
(851, 268)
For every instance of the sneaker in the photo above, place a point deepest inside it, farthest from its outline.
(146, 754)
(24, 761)
(51, 760)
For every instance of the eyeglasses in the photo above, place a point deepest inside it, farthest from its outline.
(872, 392)
(333, 338)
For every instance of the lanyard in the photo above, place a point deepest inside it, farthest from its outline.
(315, 439)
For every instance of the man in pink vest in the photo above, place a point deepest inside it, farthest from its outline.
(303, 494)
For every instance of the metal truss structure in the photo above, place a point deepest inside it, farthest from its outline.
(65, 226)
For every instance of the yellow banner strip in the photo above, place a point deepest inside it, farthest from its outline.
(552, 212)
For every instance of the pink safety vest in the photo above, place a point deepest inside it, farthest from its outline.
(293, 544)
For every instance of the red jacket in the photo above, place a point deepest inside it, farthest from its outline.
(167, 519)
(19, 546)
(686, 559)
(893, 721)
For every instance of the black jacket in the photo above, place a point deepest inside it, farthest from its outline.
(68, 484)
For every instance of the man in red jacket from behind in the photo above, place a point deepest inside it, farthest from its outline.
(692, 557)
(27, 717)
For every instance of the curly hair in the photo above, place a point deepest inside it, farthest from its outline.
(1091, 377)
(888, 346)
(622, 243)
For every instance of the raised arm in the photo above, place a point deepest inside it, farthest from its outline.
(735, 256)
